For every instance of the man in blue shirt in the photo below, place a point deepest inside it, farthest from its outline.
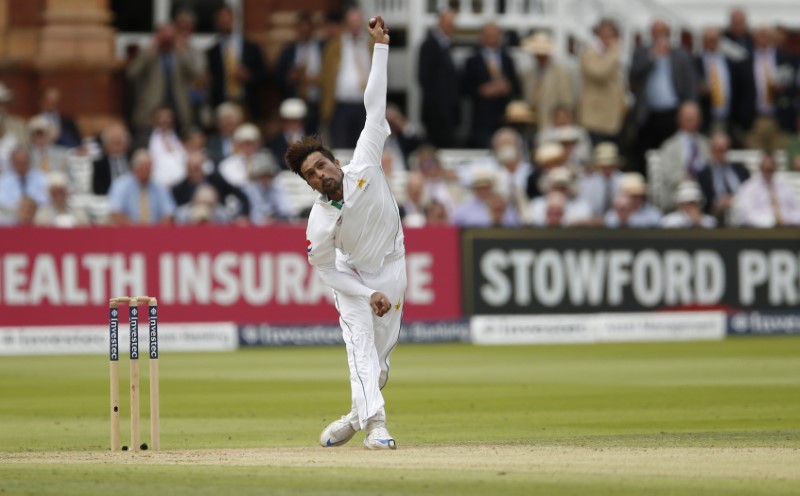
(18, 182)
(135, 199)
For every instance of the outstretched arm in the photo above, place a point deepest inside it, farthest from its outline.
(370, 144)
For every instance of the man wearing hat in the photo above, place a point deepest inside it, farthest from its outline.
(293, 113)
(12, 128)
(689, 200)
(641, 213)
(575, 210)
(601, 185)
(268, 201)
(550, 84)
(548, 156)
(477, 210)
(236, 168)
(45, 154)
(58, 212)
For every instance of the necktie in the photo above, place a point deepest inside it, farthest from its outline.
(715, 86)
(493, 67)
(302, 67)
(231, 65)
(44, 163)
(608, 194)
(166, 64)
(144, 206)
(167, 142)
(693, 152)
(776, 206)
(767, 75)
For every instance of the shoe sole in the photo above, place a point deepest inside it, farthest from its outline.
(390, 444)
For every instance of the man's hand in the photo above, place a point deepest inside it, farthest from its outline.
(378, 30)
(380, 303)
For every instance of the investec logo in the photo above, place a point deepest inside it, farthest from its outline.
(114, 333)
(134, 323)
(153, 333)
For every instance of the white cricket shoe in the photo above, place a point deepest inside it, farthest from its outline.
(337, 433)
(379, 438)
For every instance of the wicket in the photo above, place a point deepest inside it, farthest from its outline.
(113, 325)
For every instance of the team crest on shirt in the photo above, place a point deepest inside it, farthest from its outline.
(362, 184)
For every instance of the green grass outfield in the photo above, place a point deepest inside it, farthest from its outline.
(658, 418)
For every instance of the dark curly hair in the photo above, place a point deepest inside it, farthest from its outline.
(300, 150)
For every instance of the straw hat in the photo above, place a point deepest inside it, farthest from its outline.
(568, 134)
(264, 165)
(539, 43)
(606, 154)
(293, 109)
(548, 152)
(482, 176)
(633, 183)
(688, 192)
(560, 176)
(519, 112)
(246, 132)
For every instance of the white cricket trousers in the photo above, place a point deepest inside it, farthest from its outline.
(370, 339)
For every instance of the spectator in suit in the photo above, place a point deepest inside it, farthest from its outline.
(68, 134)
(716, 75)
(602, 105)
(763, 201)
(20, 181)
(58, 212)
(113, 163)
(220, 144)
(662, 77)
(739, 32)
(45, 154)
(551, 84)
(13, 132)
(689, 212)
(135, 199)
(345, 67)
(438, 79)
(268, 202)
(162, 75)
(683, 155)
(185, 21)
(236, 67)
(490, 81)
(721, 179)
(634, 211)
(601, 185)
(166, 149)
(298, 70)
(293, 114)
(768, 91)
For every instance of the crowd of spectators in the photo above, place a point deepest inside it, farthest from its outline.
(568, 143)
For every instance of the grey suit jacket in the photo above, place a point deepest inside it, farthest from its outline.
(672, 168)
(684, 77)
